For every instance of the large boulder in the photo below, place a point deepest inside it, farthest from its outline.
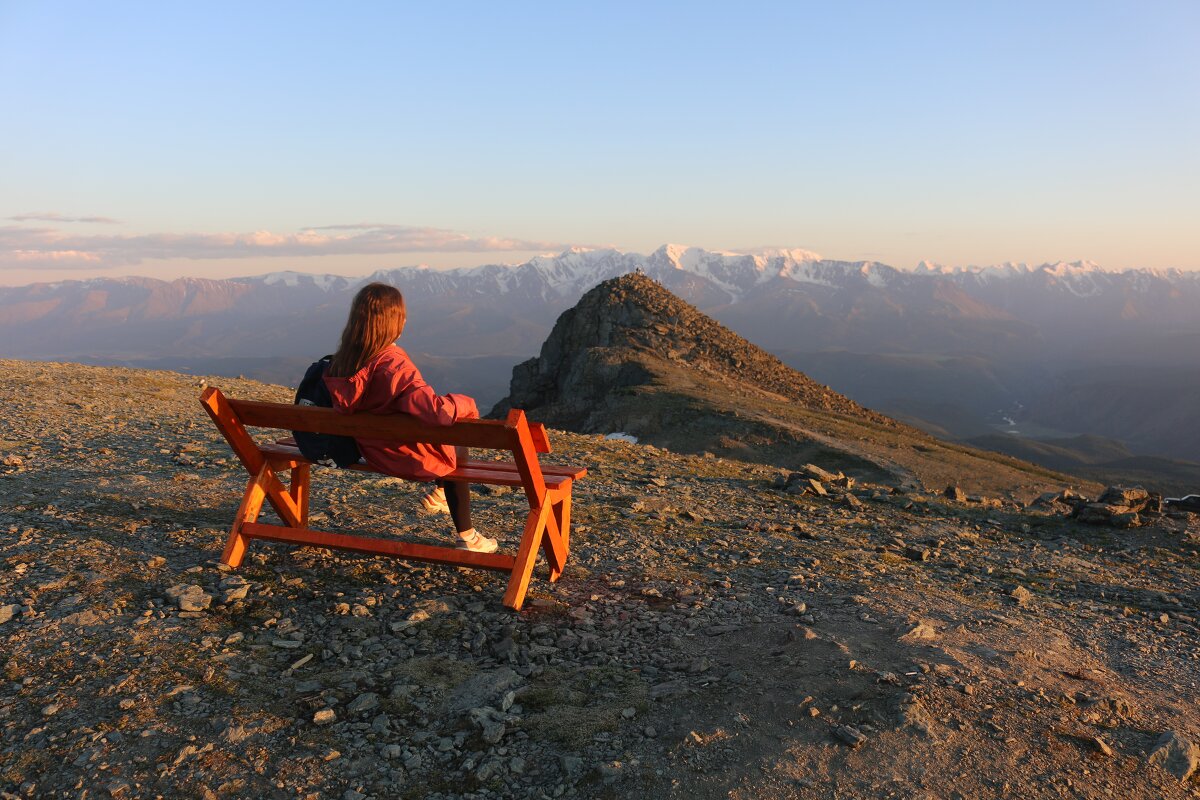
(1176, 754)
(1120, 507)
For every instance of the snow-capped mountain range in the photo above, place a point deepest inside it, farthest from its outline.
(932, 341)
(771, 297)
(574, 271)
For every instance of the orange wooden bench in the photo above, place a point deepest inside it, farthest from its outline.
(547, 488)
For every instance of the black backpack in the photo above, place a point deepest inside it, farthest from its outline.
(342, 450)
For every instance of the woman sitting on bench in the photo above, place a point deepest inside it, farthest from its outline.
(369, 373)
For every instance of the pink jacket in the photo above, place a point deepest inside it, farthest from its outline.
(391, 384)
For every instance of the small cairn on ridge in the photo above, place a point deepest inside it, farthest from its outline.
(813, 480)
(955, 492)
(1118, 506)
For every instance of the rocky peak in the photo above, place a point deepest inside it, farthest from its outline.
(622, 330)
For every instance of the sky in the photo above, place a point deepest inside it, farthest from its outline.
(223, 139)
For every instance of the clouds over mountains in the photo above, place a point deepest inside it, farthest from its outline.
(52, 216)
(22, 246)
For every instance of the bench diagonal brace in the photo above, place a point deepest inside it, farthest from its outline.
(531, 539)
(558, 528)
(553, 541)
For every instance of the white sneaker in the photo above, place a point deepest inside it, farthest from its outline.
(476, 542)
(435, 502)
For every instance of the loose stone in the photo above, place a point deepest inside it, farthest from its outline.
(850, 735)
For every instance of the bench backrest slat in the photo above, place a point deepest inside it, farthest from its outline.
(489, 434)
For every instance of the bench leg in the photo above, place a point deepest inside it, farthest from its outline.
(248, 511)
(299, 490)
(562, 515)
(531, 539)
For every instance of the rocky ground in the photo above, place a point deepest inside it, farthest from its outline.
(716, 634)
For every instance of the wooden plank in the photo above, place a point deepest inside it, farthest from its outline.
(540, 522)
(556, 553)
(525, 456)
(500, 478)
(540, 440)
(564, 521)
(227, 422)
(301, 475)
(247, 513)
(287, 446)
(518, 582)
(281, 499)
(487, 434)
(384, 547)
(501, 473)
(560, 512)
(559, 470)
(283, 463)
(490, 477)
(225, 417)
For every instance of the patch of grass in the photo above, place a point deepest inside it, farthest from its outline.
(436, 671)
(437, 784)
(1011, 463)
(571, 707)
(572, 726)
(448, 628)
(398, 706)
(541, 698)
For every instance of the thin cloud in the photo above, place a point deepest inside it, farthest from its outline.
(354, 226)
(50, 216)
(22, 247)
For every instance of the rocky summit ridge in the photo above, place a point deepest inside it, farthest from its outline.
(631, 357)
(610, 338)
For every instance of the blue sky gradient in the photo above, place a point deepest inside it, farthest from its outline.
(962, 133)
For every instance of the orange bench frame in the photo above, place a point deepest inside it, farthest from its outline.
(547, 488)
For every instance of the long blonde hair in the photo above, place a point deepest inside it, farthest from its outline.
(376, 320)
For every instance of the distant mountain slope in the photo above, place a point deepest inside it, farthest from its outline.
(948, 349)
(1057, 453)
(632, 357)
(1157, 407)
(1099, 459)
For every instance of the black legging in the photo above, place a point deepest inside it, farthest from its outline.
(458, 497)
